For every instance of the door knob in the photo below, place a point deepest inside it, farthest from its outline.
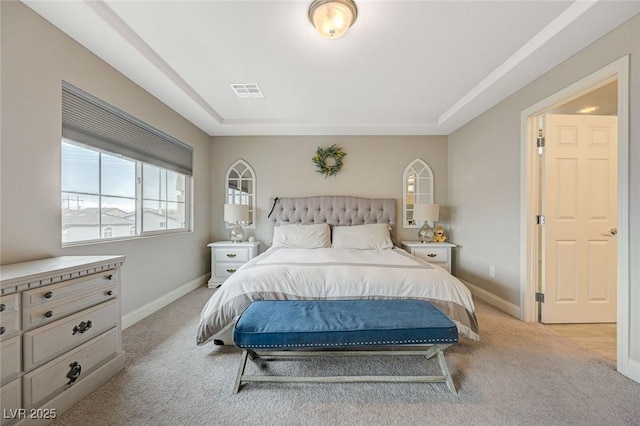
(613, 231)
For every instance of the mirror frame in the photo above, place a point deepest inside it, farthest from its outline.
(230, 199)
(422, 195)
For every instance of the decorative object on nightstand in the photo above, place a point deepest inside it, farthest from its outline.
(236, 213)
(434, 253)
(227, 257)
(439, 236)
(426, 213)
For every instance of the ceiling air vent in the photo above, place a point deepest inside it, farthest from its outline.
(246, 90)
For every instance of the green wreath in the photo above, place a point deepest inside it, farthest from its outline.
(334, 155)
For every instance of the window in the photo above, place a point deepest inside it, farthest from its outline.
(121, 178)
(99, 196)
(417, 183)
(163, 198)
(241, 189)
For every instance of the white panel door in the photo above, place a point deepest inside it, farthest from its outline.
(580, 206)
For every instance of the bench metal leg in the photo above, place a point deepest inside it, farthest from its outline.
(446, 372)
(433, 350)
(243, 364)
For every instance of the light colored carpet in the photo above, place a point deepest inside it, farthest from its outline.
(518, 374)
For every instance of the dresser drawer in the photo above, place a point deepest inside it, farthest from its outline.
(53, 377)
(54, 293)
(10, 402)
(47, 342)
(433, 255)
(10, 359)
(62, 307)
(9, 315)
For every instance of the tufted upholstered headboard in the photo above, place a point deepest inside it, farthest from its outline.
(334, 210)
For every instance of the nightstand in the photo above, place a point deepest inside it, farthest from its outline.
(227, 257)
(436, 253)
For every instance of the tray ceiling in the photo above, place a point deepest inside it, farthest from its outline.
(404, 68)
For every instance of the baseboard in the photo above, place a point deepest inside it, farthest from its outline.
(493, 300)
(144, 311)
(631, 369)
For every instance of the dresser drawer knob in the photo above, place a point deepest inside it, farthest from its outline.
(432, 255)
(48, 295)
(2, 307)
(110, 277)
(74, 373)
(231, 271)
(110, 293)
(231, 255)
(48, 314)
(82, 327)
(2, 330)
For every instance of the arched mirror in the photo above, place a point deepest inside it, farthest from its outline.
(417, 182)
(241, 189)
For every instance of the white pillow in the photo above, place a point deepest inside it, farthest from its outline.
(374, 236)
(302, 236)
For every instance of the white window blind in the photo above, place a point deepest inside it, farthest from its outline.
(88, 120)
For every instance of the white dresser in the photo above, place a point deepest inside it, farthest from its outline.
(60, 334)
(436, 253)
(227, 257)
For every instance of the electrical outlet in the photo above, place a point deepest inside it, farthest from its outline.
(492, 271)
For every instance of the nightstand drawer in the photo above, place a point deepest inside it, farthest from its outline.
(47, 342)
(231, 255)
(228, 257)
(224, 270)
(433, 255)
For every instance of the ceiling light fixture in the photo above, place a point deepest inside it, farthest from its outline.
(588, 109)
(332, 18)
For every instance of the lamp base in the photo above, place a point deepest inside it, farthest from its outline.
(425, 234)
(236, 234)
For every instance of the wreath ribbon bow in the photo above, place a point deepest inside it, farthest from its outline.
(334, 154)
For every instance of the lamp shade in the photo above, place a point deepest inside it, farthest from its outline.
(236, 212)
(426, 212)
(332, 18)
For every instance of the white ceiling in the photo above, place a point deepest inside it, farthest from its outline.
(404, 68)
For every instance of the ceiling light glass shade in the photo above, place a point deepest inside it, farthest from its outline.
(332, 18)
(588, 109)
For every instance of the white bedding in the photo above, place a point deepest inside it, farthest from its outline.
(332, 273)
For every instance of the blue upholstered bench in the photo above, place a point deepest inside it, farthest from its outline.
(294, 328)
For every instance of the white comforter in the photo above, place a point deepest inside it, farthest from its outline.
(330, 273)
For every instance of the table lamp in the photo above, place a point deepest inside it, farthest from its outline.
(236, 213)
(426, 213)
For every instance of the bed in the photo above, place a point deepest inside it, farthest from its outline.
(333, 248)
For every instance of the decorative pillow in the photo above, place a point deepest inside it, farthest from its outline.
(374, 236)
(302, 236)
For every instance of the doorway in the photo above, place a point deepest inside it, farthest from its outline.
(532, 254)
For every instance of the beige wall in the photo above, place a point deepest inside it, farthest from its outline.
(484, 175)
(372, 168)
(36, 57)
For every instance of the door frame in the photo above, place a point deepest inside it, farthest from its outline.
(529, 203)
